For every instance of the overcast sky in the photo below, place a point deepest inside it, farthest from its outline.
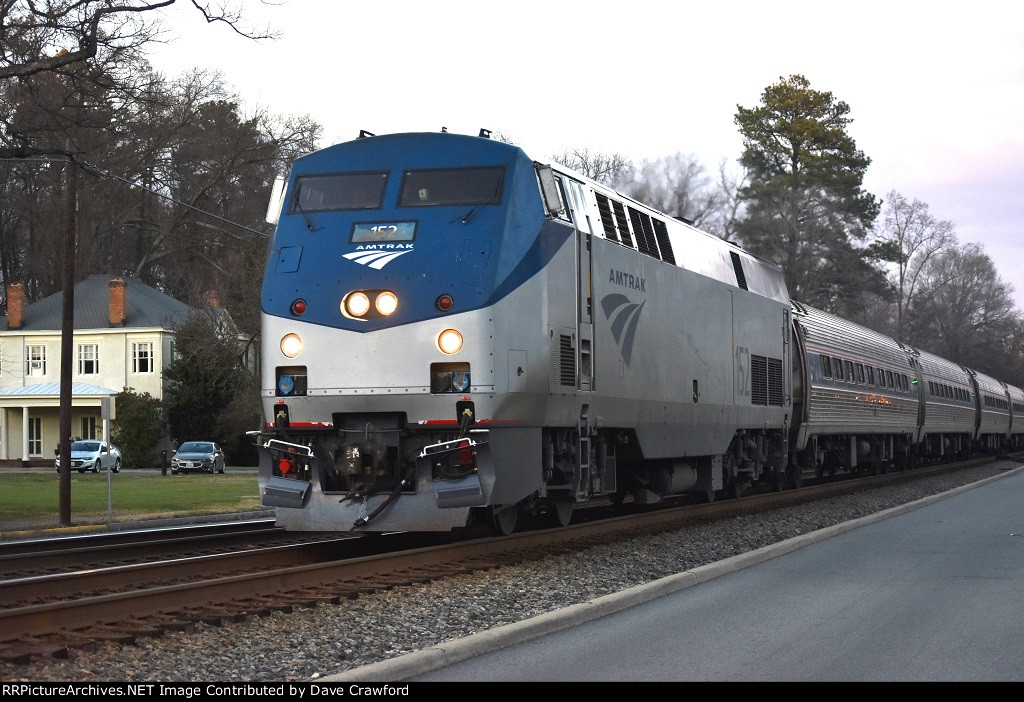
(936, 89)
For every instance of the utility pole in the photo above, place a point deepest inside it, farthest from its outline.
(67, 336)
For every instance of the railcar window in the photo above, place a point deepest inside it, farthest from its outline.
(339, 191)
(839, 369)
(849, 372)
(888, 379)
(452, 186)
(860, 373)
(871, 375)
(826, 366)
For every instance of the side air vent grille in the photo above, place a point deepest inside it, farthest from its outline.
(758, 380)
(737, 266)
(766, 384)
(661, 233)
(775, 393)
(567, 361)
(623, 224)
(605, 208)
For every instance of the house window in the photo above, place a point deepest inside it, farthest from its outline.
(89, 427)
(35, 361)
(88, 361)
(142, 357)
(35, 436)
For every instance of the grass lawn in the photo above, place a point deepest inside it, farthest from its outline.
(26, 496)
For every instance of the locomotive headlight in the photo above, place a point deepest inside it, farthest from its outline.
(355, 304)
(449, 341)
(291, 345)
(386, 303)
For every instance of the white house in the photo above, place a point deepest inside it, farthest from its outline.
(122, 339)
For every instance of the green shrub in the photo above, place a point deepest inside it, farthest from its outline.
(137, 428)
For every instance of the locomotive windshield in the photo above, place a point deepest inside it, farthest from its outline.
(339, 191)
(452, 186)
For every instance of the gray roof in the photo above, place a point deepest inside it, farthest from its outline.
(145, 307)
(77, 389)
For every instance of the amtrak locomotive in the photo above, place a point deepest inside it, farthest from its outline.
(455, 333)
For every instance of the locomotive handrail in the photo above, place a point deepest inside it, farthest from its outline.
(453, 445)
(277, 444)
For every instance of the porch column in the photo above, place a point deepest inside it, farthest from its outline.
(24, 434)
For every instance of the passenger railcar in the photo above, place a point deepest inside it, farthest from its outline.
(993, 399)
(948, 427)
(859, 405)
(455, 333)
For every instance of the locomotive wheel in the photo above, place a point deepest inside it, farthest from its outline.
(503, 519)
(562, 511)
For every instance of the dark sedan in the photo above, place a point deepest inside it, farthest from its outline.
(198, 457)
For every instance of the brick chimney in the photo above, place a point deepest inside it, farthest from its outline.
(117, 302)
(15, 305)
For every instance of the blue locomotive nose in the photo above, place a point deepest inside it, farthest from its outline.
(371, 237)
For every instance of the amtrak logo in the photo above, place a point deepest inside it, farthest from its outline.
(375, 258)
(624, 316)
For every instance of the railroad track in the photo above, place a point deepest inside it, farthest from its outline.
(51, 614)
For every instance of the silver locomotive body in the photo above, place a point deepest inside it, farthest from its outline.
(611, 350)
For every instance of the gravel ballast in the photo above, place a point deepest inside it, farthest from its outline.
(327, 639)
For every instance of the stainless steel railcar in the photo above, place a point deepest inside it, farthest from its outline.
(858, 404)
(949, 421)
(865, 401)
(599, 347)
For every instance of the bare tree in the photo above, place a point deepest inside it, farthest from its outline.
(722, 222)
(604, 168)
(964, 311)
(914, 239)
(677, 185)
(78, 48)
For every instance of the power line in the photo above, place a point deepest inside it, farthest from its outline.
(100, 172)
